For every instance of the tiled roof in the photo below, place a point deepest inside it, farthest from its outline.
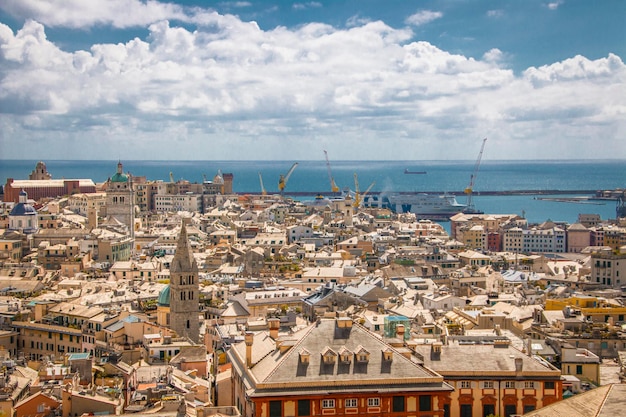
(276, 370)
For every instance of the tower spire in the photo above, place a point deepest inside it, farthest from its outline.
(183, 259)
(184, 290)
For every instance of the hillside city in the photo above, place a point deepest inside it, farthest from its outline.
(144, 297)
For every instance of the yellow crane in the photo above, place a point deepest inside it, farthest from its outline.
(263, 192)
(470, 188)
(333, 186)
(358, 197)
(282, 181)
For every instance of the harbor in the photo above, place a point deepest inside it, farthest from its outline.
(590, 193)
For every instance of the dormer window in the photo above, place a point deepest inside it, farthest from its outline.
(345, 355)
(362, 355)
(387, 355)
(304, 356)
(328, 356)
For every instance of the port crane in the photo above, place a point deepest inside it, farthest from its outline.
(358, 197)
(282, 181)
(333, 186)
(263, 192)
(470, 188)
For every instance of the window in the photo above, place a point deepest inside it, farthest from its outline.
(328, 403)
(579, 369)
(425, 403)
(373, 402)
(489, 409)
(351, 403)
(465, 384)
(397, 404)
(528, 408)
(304, 407)
(466, 410)
(529, 384)
(276, 409)
(509, 384)
(509, 410)
(488, 384)
(548, 385)
(41, 408)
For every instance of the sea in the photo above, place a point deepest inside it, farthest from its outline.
(537, 177)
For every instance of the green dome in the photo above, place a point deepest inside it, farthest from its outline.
(164, 297)
(119, 177)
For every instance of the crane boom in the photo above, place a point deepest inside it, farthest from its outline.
(333, 186)
(282, 182)
(263, 192)
(358, 197)
(470, 188)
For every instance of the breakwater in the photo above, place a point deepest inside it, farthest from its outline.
(591, 193)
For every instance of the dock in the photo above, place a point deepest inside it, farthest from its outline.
(590, 193)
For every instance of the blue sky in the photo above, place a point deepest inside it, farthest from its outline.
(364, 79)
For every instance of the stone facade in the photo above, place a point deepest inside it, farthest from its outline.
(184, 290)
(120, 200)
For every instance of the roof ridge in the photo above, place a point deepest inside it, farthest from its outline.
(289, 352)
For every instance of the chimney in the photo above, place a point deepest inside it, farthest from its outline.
(519, 365)
(274, 325)
(400, 331)
(435, 351)
(249, 338)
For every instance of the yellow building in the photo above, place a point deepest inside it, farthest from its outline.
(8, 343)
(10, 250)
(491, 377)
(37, 340)
(590, 307)
(582, 363)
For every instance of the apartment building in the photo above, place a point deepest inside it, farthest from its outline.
(333, 367)
(490, 377)
(608, 268)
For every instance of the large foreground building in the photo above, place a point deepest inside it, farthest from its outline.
(333, 367)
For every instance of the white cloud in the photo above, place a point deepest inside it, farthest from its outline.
(85, 14)
(554, 5)
(308, 5)
(232, 90)
(496, 13)
(493, 55)
(422, 17)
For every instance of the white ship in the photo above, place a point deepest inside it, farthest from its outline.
(425, 206)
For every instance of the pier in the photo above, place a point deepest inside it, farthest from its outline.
(590, 193)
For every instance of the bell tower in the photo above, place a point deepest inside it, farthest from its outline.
(184, 290)
(120, 201)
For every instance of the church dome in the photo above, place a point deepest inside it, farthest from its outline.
(164, 297)
(23, 208)
(119, 177)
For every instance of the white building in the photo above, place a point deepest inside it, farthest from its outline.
(178, 202)
(544, 240)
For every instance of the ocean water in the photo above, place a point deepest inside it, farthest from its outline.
(441, 176)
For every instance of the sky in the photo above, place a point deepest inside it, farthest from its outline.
(286, 80)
